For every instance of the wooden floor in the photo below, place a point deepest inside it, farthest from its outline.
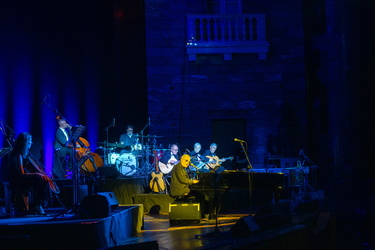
(211, 234)
(186, 236)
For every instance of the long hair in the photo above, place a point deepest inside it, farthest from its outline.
(21, 144)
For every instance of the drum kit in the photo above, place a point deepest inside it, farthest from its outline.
(133, 160)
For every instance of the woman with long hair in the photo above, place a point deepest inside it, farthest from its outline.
(25, 172)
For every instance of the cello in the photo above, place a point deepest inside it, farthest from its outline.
(89, 161)
(39, 168)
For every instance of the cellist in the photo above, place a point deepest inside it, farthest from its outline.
(24, 175)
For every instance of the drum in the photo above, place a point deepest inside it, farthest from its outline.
(296, 176)
(158, 153)
(112, 157)
(127, 164)
(136, 147)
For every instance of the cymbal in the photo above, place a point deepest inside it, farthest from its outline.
(149, 136)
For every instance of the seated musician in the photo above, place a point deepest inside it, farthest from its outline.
(213, 164)
(62, 149)
(24, 172)
(170, 159)
(195, 160)
(180, 180)
(196, 154)
(128, 139)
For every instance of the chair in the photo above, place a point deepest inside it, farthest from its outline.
(17, 197)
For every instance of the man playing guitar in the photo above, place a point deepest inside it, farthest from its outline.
(167, 162)
(212, 159)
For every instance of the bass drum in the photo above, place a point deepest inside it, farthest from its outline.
(127, 164)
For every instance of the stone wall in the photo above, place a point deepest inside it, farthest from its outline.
(187, 99)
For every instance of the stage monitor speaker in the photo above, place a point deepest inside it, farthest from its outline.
(111, 197)
(95, 206)
(244, 227)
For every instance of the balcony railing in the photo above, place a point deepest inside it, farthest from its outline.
(226, 34)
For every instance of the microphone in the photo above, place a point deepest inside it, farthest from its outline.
(235, 139)
(191, 164)
(187, 150)
(149, 121)
(114, 122)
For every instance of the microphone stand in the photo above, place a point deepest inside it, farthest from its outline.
(216, 204)
(9, 138)
(106, 144)
(250, 167)
(246, 155)
(146, 165)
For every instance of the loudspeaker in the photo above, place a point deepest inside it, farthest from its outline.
(244, 227)
(111, 197)
(108, 173)
(95, 206)
(184, 211)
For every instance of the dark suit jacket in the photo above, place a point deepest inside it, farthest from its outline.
(60, 143)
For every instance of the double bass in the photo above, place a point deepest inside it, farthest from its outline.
(89, 161)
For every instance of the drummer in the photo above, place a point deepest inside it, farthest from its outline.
(128, 139)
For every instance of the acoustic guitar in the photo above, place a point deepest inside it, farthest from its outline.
(157, 183)
(166, 168)
(216, 162)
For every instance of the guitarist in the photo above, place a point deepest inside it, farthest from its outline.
(170, 159)
(213, 164)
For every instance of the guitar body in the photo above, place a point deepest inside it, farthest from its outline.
(166, 168)
(157, 183)
(216, 162)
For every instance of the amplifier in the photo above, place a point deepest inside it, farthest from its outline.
(184, 212)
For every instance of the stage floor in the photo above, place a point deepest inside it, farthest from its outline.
(62, 229)
(231, 231)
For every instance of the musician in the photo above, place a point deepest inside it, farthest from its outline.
(24, 174)
(180, 180)
(128, 139)
(63, 150)
(211, 153)
(196, 154)
(172, 157)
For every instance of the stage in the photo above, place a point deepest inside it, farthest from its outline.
(69, 231)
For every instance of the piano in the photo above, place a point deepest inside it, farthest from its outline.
(233, 188)
(231, 179)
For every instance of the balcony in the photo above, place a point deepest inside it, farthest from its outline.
(226, 34)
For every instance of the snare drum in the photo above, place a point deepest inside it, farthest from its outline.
(112, 157)
(136, 147)
(127, 164)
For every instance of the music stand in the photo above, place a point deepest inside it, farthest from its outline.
(77, 131)
(4, 151)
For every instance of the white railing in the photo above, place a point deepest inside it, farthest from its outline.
(226, 34)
